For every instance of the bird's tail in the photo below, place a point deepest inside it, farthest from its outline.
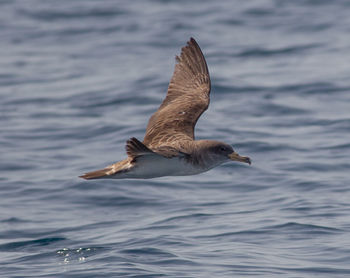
(98, 174)
(114, 171)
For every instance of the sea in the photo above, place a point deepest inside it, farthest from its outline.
(79, 78)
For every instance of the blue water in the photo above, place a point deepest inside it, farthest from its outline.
(78, 78)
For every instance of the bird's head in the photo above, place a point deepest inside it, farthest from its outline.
(221, 152)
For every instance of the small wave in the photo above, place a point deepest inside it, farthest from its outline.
(20, 245)
(147, 251)
(263, 52)
(302, 228)
(312, 88)
(124, 201)
(70, 14)
(179, 218)
(13, 220)
(290, 228)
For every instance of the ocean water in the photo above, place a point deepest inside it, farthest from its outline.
(78, 78)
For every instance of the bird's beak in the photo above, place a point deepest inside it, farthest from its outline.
(236, 157)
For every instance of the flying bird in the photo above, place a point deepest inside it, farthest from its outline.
(169, 147)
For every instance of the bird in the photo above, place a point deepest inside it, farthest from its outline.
(169, 147)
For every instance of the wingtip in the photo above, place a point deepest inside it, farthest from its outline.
(192, 41)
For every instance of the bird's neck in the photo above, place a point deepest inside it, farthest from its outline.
(200, 157)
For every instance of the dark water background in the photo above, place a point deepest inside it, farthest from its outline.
(78, 78)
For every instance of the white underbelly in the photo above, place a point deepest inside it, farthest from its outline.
(155, 166)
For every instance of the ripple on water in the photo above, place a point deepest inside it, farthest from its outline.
(78, 78)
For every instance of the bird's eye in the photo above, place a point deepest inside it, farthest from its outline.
(222, 149)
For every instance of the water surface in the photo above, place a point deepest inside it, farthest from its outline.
(78, 78)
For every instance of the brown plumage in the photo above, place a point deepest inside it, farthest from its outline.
(169, 147)
(187, 98)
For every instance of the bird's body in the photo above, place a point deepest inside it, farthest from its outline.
(148, 167)
(169, 148)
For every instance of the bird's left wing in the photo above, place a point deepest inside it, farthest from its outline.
(187, 98)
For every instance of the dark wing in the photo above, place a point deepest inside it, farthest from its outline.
(186, 100)
(134, 149)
